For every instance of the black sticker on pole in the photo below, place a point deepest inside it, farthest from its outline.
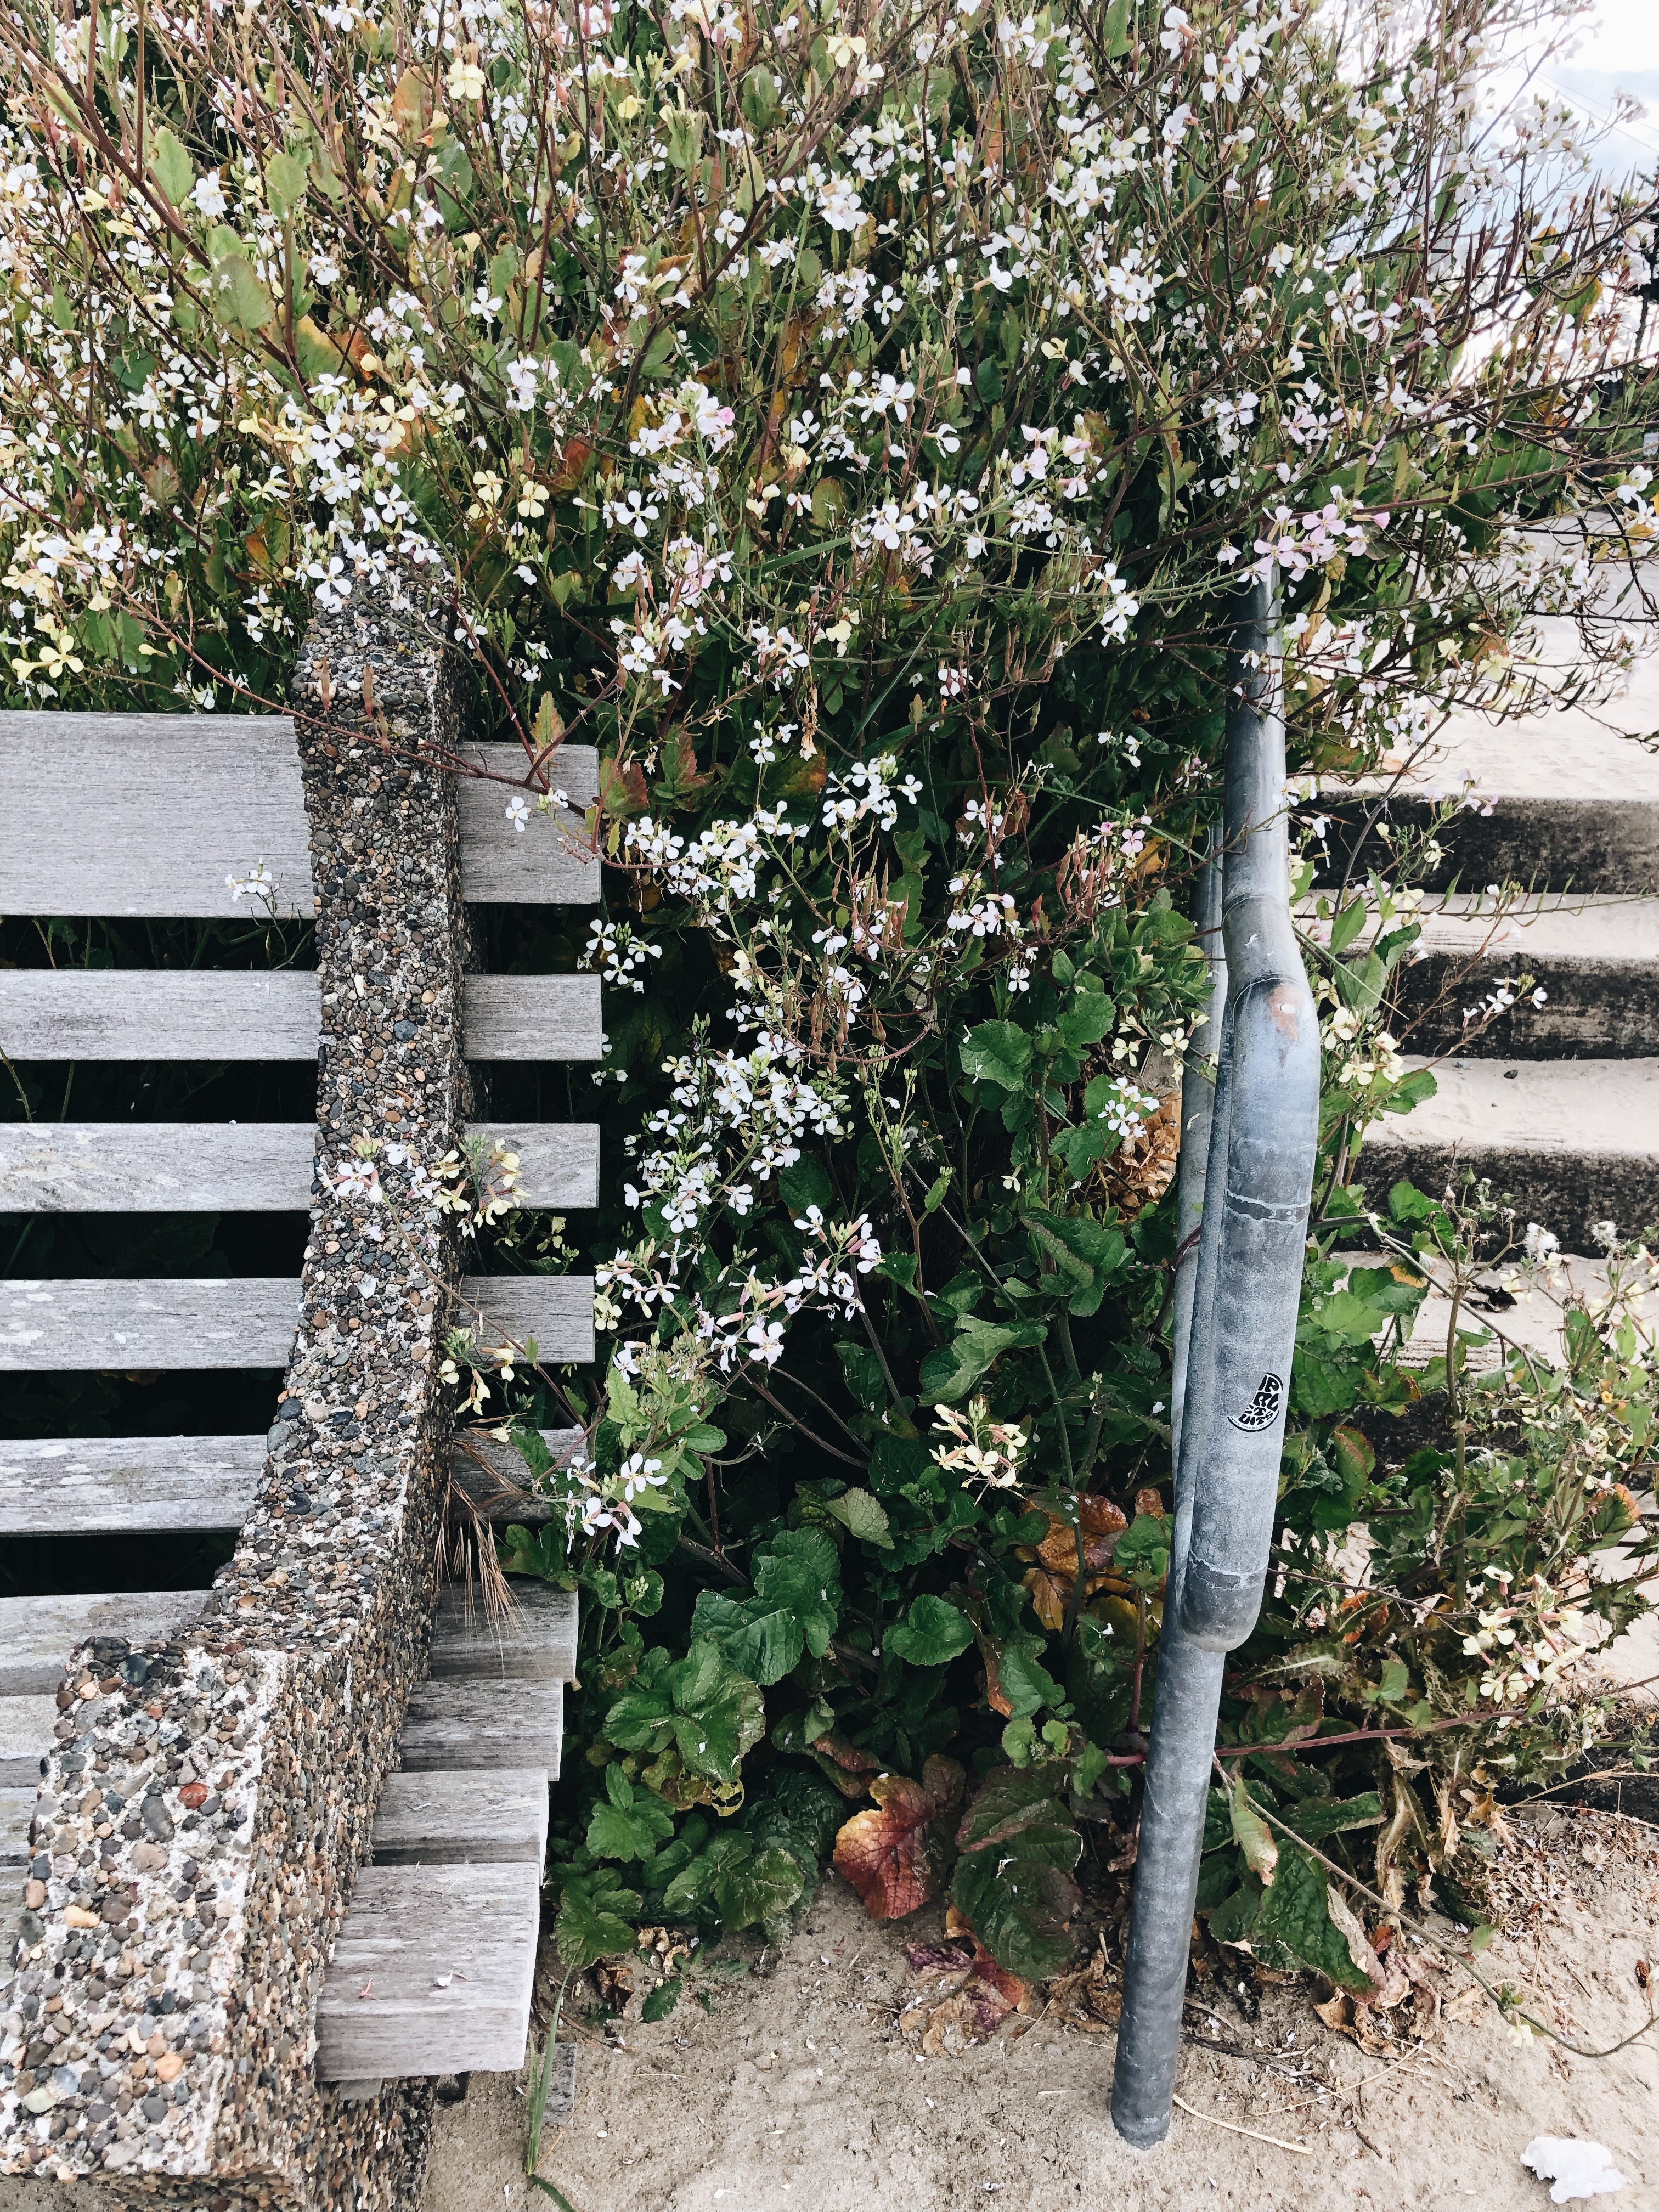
(1263, 1409)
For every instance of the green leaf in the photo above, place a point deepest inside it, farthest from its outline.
(1019, 1908)
(1341, 1314)
(1294, 1925)
(719, 1713)
(239, 300)
(591, 1925)
(1315, 1818)
(756, 1886)
(662, 1999)
(1234, 1917)
(988, 380)
(863, 1372)
(951, 1372)
(1217, 1820)
(171, 166)
(1321, 1386)
(1411, 1091)
(659, 356)
(704, 1706)
(1407, 1203)
(800, 1570)
(932, 1635)
(806, 1183)
(862, 1516)
(1019, 1811)
(1026, 1685)
(684, 1895)
(630, 1825)
(1250, 1831)
(1217, 1877)
(1091, 1763)
(794, 1608)
(999, 1053)
(1084, 1255)
(1347, 924)
(1142, 1552)
(765, 1644)
(1086, 1018)
(285, 182)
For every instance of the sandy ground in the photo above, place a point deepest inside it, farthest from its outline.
(801, 2094)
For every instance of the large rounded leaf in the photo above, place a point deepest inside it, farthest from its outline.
(897, 1857)
(932, 1634)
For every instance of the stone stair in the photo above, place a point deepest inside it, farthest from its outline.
(1559, 1105)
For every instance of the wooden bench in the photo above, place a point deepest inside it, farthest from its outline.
(443, 1923)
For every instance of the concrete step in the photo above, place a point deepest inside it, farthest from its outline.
(1567, 1142)
(1574, 795)
(1596, 959)
(1531, 1319)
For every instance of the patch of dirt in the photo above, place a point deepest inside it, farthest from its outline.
(807, 2090)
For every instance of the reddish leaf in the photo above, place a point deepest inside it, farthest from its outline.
(897, 1857)
(1102, 1525)
(938, 1958)
(845, 1765)
(622, 787)
(1049, 1596)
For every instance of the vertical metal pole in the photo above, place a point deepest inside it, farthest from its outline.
(1246, 1285)
(1198, 1082)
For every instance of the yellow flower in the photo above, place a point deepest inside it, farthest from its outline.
(466, 80)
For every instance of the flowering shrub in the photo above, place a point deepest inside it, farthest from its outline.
(854, 422)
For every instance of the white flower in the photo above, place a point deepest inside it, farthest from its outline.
(209, 196)
(518, 812)
(838, 204)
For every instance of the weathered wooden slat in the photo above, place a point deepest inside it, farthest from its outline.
(467, 1721)
(493, 1476)
(17, 1810)
(248, 1167)
(246, 1321)
(203, 796)
(558, 1161)
(162, 1167)
(536, 1644)
(432, 1973)
(37, 1634)
(213, 1014)
(548, 862)
(113, 1484)
(187, 1484)
(554, 1311)
(158, 1014)
(532, 1018)
(26, 1727)
(498, 1815)
(192, 799)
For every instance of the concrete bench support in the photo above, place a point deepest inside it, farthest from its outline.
(208, 1798)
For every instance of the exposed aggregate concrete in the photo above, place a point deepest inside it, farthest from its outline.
(208, 1800)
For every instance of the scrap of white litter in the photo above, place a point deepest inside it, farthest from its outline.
(1578, 2168)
